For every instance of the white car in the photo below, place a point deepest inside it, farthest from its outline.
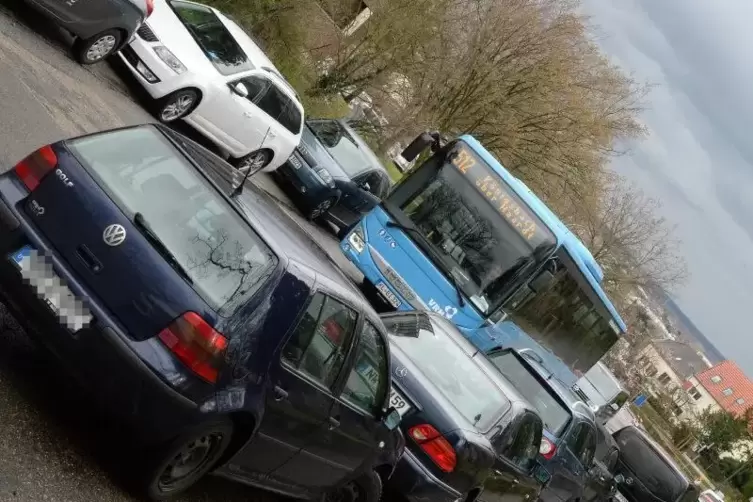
(203, 68)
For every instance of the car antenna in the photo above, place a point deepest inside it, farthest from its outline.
(239, 189)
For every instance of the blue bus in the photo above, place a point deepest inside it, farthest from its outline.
(460, 236)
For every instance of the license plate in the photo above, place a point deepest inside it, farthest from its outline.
(50, 288)
(295, 162)
(398, 402)
(619, 497)
(388, 295)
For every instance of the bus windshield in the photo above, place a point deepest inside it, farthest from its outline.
(472, 225)
(566, 317)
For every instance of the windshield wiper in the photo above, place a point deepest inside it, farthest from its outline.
(146, 230)
(450, 277)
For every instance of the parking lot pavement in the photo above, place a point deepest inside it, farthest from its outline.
(53, 446)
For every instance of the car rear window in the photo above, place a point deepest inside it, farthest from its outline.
(553, 412)
(649, 467)
(143, 172)
(439, 357)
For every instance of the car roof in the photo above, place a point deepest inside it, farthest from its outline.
(374, 162)
(278, 229)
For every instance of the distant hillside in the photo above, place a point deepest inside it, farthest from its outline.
(689, 329)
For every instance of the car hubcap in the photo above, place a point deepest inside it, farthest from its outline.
(321, 208)
(192, 458)
(101, 48)
(253, 163)
(348, 493)
(178, 107)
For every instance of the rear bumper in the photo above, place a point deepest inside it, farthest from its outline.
(101, 357)
(412, 480)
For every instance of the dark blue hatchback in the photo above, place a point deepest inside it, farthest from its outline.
(205, 318)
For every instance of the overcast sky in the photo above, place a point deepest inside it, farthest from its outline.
(698, 159)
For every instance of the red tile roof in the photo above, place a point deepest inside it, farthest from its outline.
(732, 378)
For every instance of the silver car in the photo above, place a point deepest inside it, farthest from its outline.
(101, 27)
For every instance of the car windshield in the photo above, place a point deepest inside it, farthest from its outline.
(144, 173)
(474, 227)
(217, 43)
(347, 151)
(439, 356)
(566, 317)
(553, 412)
(649, 467)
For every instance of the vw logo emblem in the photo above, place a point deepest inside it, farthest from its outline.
(114, 235)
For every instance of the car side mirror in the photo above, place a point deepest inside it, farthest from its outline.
(541, 474)
(391, 419)
(240, 89)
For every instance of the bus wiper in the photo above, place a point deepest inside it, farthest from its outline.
(450, 277)
(146, 231)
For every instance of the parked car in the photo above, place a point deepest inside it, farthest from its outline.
(469, 434)
(101, 27)
(601, 484)
(333, 173)
(203, 317)
(201, 67)
(569, 440)
(650, 474)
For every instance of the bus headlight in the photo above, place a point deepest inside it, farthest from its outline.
(356, 241)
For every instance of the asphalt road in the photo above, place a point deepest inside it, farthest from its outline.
(53, 445)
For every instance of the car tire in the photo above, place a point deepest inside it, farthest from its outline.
(321, 208)
(254, 161)
(99, 47)
(367, 488)
(177, 465)
(177, 105)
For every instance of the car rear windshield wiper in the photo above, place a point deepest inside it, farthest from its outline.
(450, 277)
(146, 230)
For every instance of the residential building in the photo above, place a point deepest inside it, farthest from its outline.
(728, 386)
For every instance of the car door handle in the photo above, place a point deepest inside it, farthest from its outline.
(280, 393)
(248, 115)
(333, 423)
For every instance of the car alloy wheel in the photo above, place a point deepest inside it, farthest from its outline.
(193, 458)
(101, 48)
(178, 105)
(320, 209)
(253, 162)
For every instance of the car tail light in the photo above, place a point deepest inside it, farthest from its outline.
(434, 445)
(547, 449)
(36, 166)
(196, 344)
(149, 7)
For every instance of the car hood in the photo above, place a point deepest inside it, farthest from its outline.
(316, 154)
(175, 36)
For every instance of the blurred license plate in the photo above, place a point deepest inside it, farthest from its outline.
(399, 402)
(294, 162)
(619, 498)
(38, 274)
(388, 295)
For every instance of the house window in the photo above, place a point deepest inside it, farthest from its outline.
(716, 379)
(651, 371)
(664, 378)
(727, 391)
(740, 400)
(695, 393)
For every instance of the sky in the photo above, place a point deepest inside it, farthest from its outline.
(698, 158)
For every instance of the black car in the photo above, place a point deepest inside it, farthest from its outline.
(101, 27)
(650, 475)
(469, 434)
(569, 440)
(200, 314)
(333, 173)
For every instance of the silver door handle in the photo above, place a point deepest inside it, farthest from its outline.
(271, 135)
(248, 115)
